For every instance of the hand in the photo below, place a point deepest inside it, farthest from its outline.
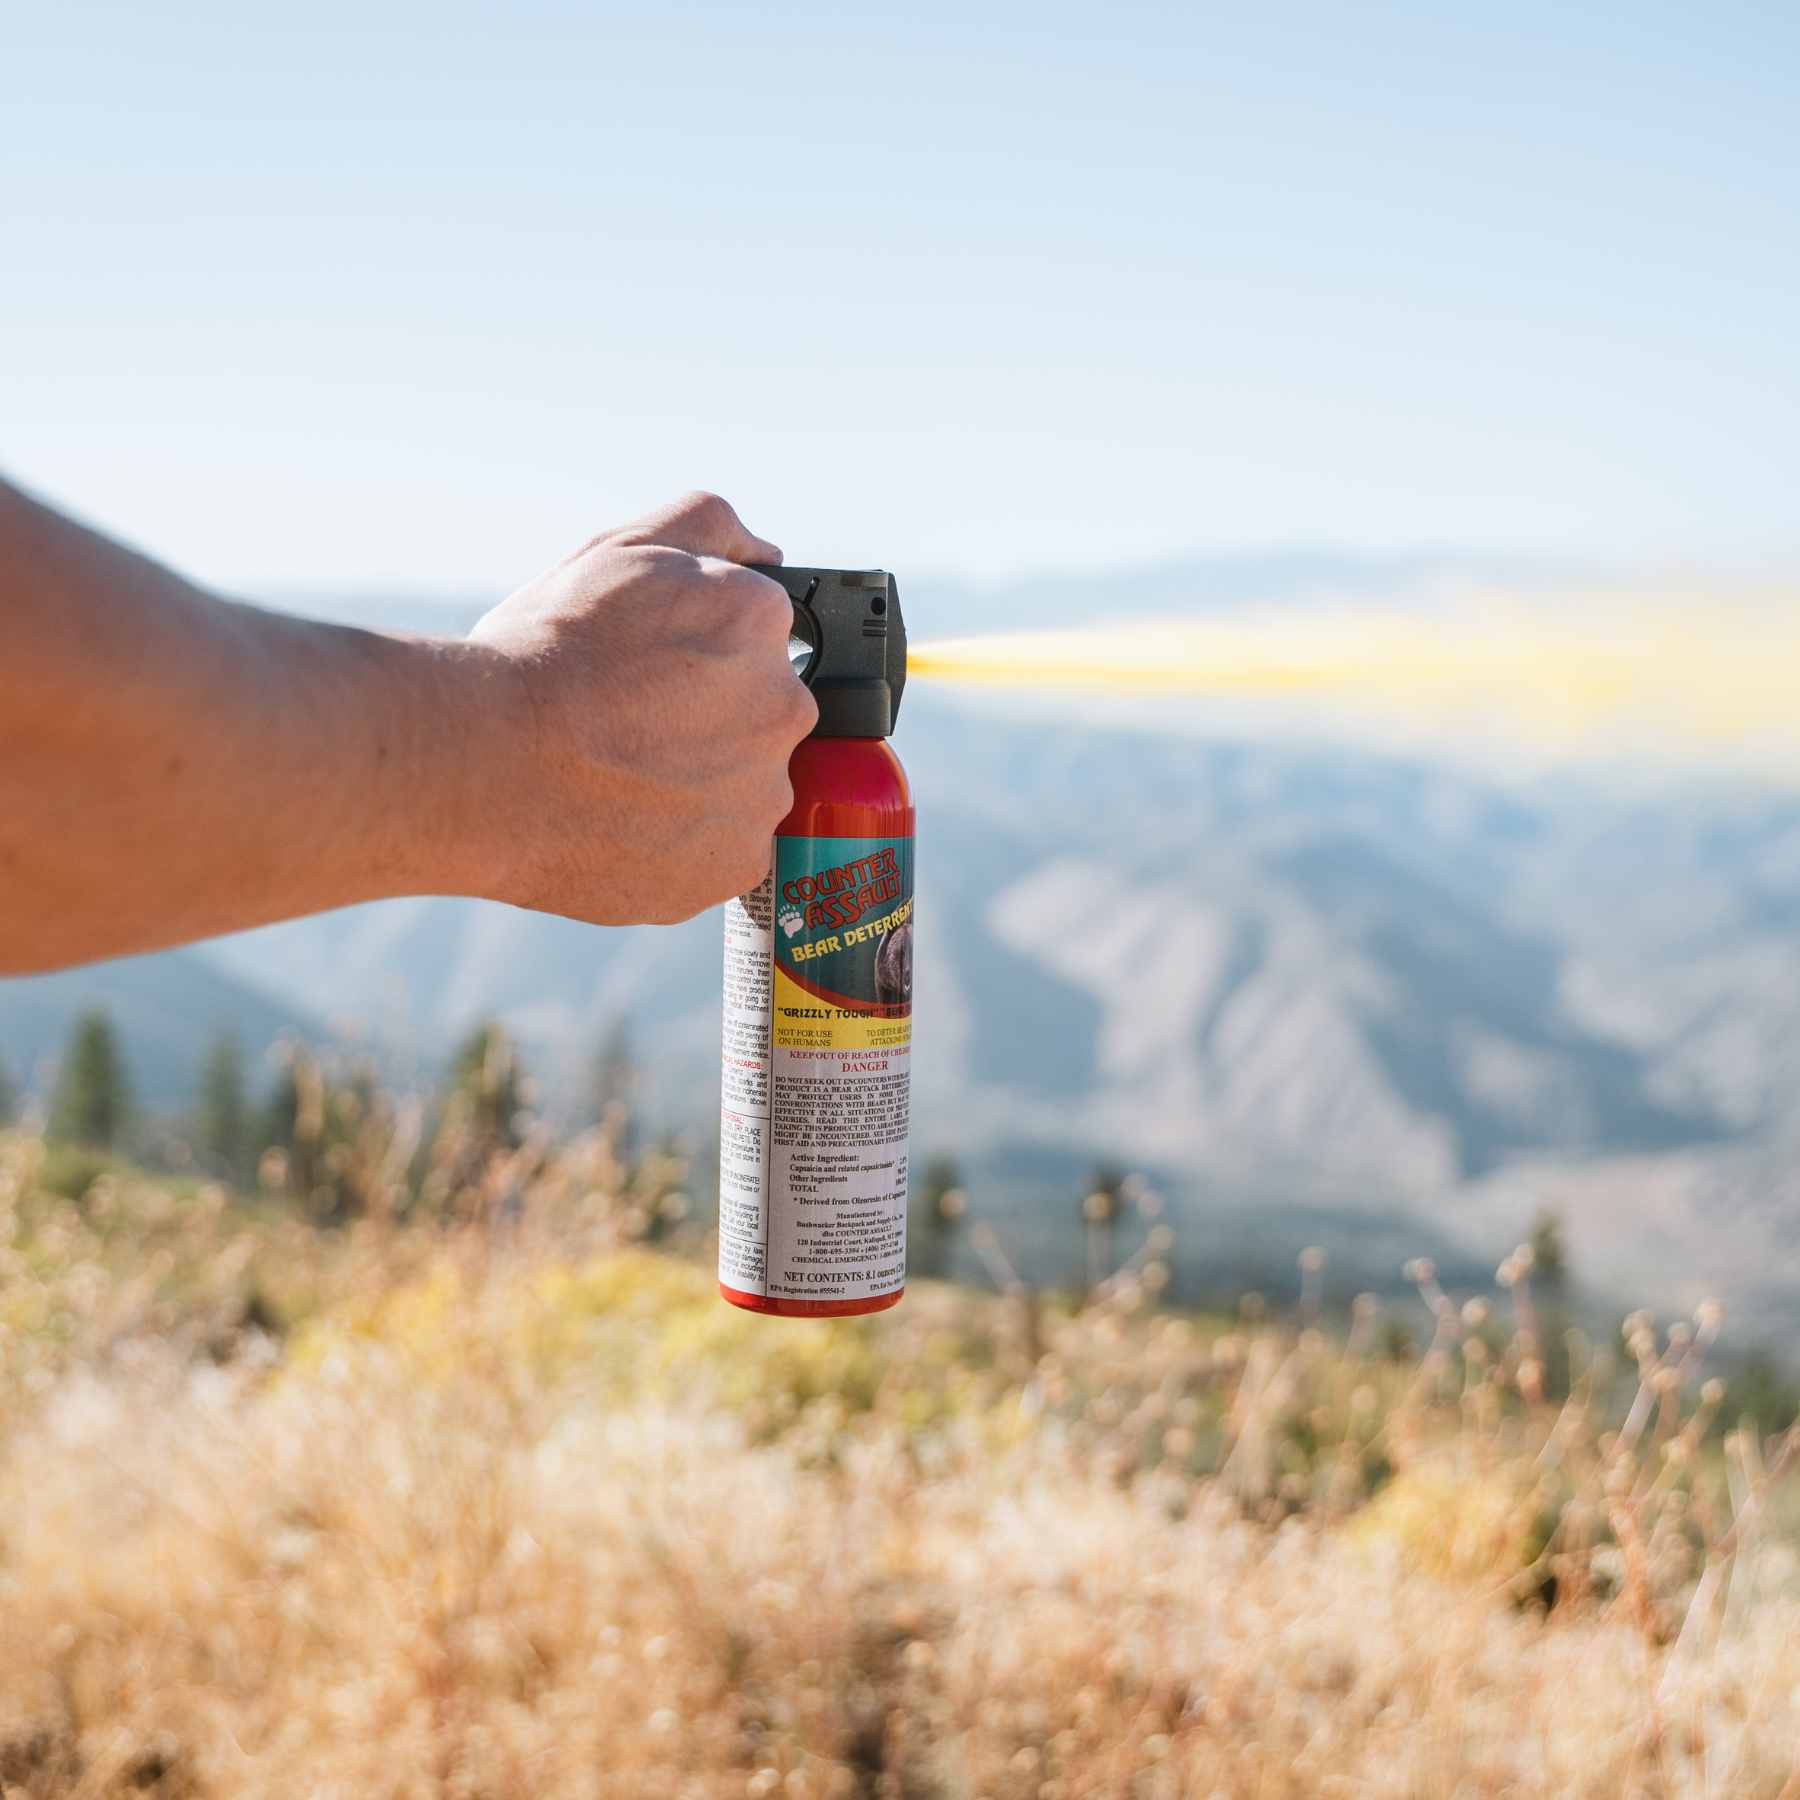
(659, 714)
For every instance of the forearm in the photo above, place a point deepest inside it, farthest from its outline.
(611, 743)
(173, 765)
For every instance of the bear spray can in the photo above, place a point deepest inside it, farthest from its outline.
(816, 1084)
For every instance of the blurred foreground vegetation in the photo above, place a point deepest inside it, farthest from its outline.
(423, 1460)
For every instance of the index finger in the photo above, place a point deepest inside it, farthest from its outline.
(703, 525)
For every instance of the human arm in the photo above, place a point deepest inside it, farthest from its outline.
(611, 742)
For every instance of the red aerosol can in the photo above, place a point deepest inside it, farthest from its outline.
(816, 1081)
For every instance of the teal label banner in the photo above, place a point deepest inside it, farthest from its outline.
(843, 920)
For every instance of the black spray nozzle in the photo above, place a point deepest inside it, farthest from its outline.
(848, 645)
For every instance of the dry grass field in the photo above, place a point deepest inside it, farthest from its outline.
(501, 1502)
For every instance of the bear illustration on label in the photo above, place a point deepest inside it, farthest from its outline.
(893, 967)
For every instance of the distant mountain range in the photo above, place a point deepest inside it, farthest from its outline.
(1322, 993)
(167, 1010)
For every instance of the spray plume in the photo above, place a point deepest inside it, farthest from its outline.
(1569, 674)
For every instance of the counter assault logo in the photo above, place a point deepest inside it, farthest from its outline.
(842, 895)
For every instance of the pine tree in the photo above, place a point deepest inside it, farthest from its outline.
(1540, 1270)
(615, 1071)
(293, 1122)
(275, 1130)
(1101, 1206)
(223, 1123)
(1549, 1255)
(938, 1213)
(615, 1084)
(92, 1100)
(485, 1073)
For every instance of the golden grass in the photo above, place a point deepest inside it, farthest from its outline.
(519, 1509)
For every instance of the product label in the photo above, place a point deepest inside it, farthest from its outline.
(817, 1072)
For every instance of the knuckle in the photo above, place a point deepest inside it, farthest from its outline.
(756, 608)
(707, 507)
(767, 604)
(802, 712)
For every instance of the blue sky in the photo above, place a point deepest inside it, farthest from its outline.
(412, 297)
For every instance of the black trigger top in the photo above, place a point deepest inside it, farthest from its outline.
(848, 624)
